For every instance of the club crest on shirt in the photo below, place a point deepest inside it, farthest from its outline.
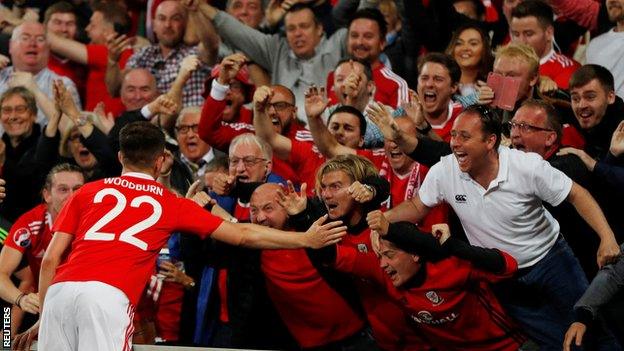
(435, 299)
(22, 237)
(362, 248)
(460, 198)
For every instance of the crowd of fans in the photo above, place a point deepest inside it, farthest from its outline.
(445, 134)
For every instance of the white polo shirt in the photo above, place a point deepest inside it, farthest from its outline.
(509, 214)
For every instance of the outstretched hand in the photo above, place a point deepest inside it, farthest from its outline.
(293, 202)
(315, 101)
(63, 99)
(574, 334)
(320, 235)
(384, 121)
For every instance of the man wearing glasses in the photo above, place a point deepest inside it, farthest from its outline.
(195, 154)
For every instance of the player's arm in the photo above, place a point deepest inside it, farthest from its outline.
(412, 210)
(52, 258)
(9, 260)
(280, 144)
(71, 49)
(588, 208)
(261, 237)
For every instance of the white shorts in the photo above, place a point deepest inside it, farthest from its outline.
(86, 316)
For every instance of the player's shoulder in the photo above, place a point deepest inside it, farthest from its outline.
(34, 215)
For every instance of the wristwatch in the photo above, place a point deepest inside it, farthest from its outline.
(82, 119)
(426, 130)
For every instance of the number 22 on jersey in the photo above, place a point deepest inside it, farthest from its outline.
(127, 235)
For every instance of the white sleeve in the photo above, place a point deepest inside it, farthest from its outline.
(550, 184)
(431, 192)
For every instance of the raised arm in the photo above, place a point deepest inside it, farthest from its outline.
(280, 144)
(261, 47)
(115, 44)
(315, 104)
(203, 28)
(257, 236)
(71, 49)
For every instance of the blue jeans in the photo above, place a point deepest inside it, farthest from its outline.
(541, 298)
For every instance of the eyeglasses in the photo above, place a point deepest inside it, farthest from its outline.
(526, 128)
(19, 109)
(280, 106)
(184, 129)
(25, 38)
(248, 161)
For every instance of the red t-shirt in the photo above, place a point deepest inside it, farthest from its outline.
(559, 68)
(72, 70)
(119, 226)
(388, 321)
(454, 306)
(97, 59)
(31, 235)
(313, 311)
(444, 129)
(390, 88)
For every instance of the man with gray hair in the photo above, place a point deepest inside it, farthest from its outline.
(30, 50)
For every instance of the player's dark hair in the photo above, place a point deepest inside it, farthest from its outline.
(490, 121)
(351, 110)
(446, 61)
(141, 143)
(535, 8)
(372, 14)
(589, 72)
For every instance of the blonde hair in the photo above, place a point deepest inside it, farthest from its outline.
(356, 167)
(520, 51)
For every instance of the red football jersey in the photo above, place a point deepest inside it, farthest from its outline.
(31, 235)
(97, 60)
(559, 68)
(454, 306)
(444, 129)
(388, 321)
(313, 311)
(70, 69)
(119, 226)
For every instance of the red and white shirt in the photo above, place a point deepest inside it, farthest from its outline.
(119, 226)
(390, 88)
(558, 67)
(444, 129)
(31, 235)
